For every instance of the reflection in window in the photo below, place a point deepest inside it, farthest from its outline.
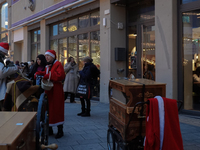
(54, 30)
(95, 47)
(83, 48)
(35, 36)
(62, 50)
(95, 19)
(73, 47)
(73, 25)
(4, 17)
(4, 37)
(34, 52)
(38, 49)
(191, 50)
(54, 46)
(35, 44)
(62, 27)
(83, 21)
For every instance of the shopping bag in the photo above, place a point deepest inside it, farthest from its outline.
(83, 90)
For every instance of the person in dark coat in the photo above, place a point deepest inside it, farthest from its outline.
(38, 66)
(86, 76)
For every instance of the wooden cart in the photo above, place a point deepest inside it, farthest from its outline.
(126, 120)
(17, 130)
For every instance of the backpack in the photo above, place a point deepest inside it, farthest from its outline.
(95, 72)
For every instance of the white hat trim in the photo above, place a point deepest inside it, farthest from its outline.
(48, 53)
(3, 50)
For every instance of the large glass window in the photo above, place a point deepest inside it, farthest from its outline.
(62, 50)
(132, 51)
(83, 21)
(191, 61)
(95, 18)
(73, 25)
(95, 47)
(35, 44)
(74, 37)
(4, 17)
(73, 47)
(4, 23)
(83, 48)
(148, 46)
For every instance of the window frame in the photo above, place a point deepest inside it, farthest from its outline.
(76, 33)
(33, 43)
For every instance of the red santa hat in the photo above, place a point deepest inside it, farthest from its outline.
(52, 53)
(4, 47)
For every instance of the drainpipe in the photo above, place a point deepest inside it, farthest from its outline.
(50, 13)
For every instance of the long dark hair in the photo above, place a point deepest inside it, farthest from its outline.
(43, 64)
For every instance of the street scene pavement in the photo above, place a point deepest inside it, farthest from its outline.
(90, 133)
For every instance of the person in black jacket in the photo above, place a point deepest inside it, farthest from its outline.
(85, 76)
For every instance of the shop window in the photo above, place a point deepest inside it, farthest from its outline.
(62, 27)
(83, 21)
(83, 48)
(132, 52)
(73, 47)
(4, 17)
(191, 61)
(54, 30)
(73, 25)
(62, 50)
(35, 44)
(54, 46)
(95, 47)
(95, 18)
(4, 23)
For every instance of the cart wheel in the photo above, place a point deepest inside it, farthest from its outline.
(42, 123)
(110, 140)
(120, 146)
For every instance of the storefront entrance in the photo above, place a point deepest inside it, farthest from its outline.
(141, 52)
(191, 62)
(141, 39)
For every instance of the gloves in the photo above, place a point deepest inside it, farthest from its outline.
(37, 73)
(46, 76)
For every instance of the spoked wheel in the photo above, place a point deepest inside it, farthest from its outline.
(110, 140)
(42, 123)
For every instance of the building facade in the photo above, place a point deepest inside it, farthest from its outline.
(157, 36)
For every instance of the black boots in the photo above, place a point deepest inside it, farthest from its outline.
(83, 111)
(86, 114)
(60, 132)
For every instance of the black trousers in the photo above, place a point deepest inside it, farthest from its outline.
(1, 105)
(72, 96)
(83, 104)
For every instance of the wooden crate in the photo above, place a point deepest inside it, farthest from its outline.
(17, 130)
(125, 94)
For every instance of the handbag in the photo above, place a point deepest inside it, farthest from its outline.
(83, 90)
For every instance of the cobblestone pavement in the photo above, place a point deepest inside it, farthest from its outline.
(190, 129)
(90, 133)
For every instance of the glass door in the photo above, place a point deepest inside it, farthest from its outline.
(148, 52)
(141, 51)
(191, 61)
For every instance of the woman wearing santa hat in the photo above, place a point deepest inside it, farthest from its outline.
(56, 94)
(4, 71)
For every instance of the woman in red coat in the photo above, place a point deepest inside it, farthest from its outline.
(56, 94)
